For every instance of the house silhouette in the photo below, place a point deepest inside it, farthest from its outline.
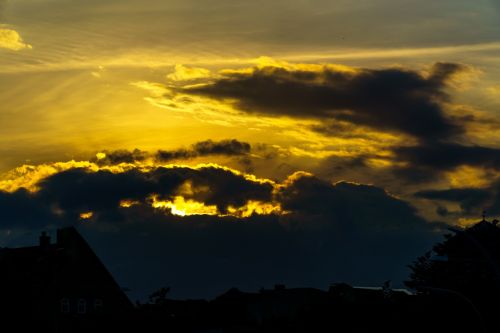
(58, 287)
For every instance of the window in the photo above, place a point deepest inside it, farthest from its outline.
(98, 304)
(65, 305)
(82, 306)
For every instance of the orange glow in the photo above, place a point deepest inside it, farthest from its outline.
(86, 215)
(257, 208)
(128, 203)
(182, 207)
(100, 156)
(466, 222)
(469, 176)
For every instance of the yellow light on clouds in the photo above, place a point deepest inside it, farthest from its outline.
(128, 203)
(256, 208)
(184, 73)
(100, 156)
(86, 215)
(467, 176)
(10, 39)
(182, 207)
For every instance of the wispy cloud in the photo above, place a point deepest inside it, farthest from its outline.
(184, 73)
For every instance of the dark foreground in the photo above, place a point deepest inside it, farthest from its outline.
(340, 309)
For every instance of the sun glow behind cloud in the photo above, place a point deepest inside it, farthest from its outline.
(28, 177)
(86, 215)
(182, 207)
(128, 203)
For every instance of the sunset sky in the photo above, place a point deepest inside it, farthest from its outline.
(255, 142)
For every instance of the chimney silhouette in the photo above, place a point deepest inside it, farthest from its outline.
(44, 240)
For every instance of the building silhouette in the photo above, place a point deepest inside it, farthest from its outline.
(58, 287)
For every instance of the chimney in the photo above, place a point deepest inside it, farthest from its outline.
(44, 240)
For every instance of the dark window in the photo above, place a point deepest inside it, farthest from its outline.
(98, 304)
(82, 306)
(65, 308)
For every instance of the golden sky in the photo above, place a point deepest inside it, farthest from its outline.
(82, 77)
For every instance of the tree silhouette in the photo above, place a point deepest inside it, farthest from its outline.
(465, 267)
(466, 261)
(159, 297)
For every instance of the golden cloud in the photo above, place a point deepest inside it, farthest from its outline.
(182, 207)
(86, 215)
(184, 73)
(470, 176)
(11, 40)
(29, 177)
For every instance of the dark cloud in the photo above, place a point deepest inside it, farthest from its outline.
(388, 99)
(472, 201)
(443, 71)
(22, 210)
(343, 205)
(78, 190)
(411, 165)
(121, 156)
(231, 147)
(442, 211)
(349, 205)
(341, 129)
(447, 156)
(207, 148)
(395, 100)
(459, 194)
(415, 174)
(426, 162)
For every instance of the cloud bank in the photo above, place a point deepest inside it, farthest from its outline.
(259, 232)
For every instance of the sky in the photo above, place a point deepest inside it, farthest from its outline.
(249, 143)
